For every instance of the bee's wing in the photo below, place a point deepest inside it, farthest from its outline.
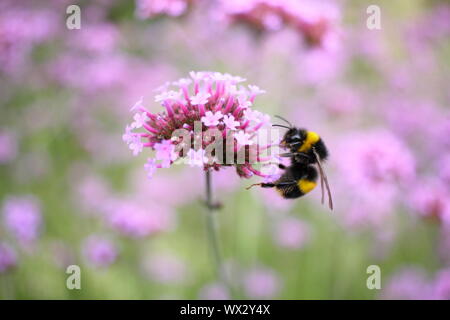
(323, 178)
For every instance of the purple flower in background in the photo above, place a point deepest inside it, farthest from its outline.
(410, 284)
(165, 268)
(150, 8)
(22, 217)
(97, 38)
(214, 291)
(261, 283)
(443, 165)
(101, 72)
(291, 233)
(62, 254)
(91, 191)
(315, 21)
(8, 257)
(99, 252)
(444, 244)
(20, 30)
(442, 285)
(8, 147)
(374, 173)
(137, 221)
(431, 199)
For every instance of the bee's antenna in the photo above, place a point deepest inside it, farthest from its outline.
(280, 125)
(281, 118)
(323, 178)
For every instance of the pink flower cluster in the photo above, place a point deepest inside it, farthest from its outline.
(314, 20)
(22, 218)
(150, 8)
(412, 283)
(99, 251)
(20, 30)
(8, 257)
(377, 167)
(209, 100)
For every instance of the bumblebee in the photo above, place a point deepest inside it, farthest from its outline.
(306, 151)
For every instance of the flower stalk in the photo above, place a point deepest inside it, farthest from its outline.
(211, 228)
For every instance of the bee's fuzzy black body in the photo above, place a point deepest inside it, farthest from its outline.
(302, 144)
(306, 150)
(297, 180)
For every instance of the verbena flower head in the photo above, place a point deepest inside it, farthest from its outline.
(410, 283)
(165, 268)
(8, 257)
(207, 121)
(214, 291)
(315, 21)
(99, 251)
(151, 8)
(22, 217)
(261, 283)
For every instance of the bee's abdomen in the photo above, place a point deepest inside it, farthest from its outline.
(305, 185)
(289, 192)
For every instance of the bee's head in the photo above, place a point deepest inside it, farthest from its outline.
(293, 138)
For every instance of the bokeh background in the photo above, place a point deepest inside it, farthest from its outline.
(72, 193)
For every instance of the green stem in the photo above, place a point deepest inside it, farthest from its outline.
(211, 228)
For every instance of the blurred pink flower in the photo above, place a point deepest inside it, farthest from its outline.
(137, 221)
(273, 201)
(8, 257)
(314, 21)
(214, 291)
(261, 283)
(291, 233)
(22, 218)
(99, 252)
(410, 118)
(320, 66)
(431, 27)
(165, 268)
(150, 8)
(97, 38)
(431, 199)
(341, 101)
(62, 254)
(8, 146)
(375, 173)
(444, 245)
(91, 74)
(91, 192)
(410, 284)
(443, 166)
(442, 285)
(20, 30)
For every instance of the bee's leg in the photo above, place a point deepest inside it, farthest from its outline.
(286, 183)
(273, 185)
(262, 185)
(295, 154)
(267, 185)
(282, 166)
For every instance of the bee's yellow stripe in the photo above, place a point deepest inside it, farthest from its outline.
(306, 186)
(311, 138)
